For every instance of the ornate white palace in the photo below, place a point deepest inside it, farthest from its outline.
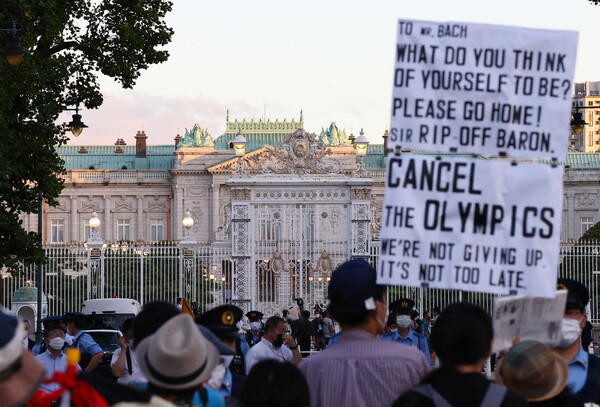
(289, 211)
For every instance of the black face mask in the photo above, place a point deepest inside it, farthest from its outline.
(279, 341)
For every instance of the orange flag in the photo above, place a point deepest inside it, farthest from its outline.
(186, 309)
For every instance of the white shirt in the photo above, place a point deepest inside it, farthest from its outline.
(265, 350)
(53, 364)
(136, 375)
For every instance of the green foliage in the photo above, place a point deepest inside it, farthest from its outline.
(72, 42)
(592, 233)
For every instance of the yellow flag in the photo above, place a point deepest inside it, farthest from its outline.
(186, 309)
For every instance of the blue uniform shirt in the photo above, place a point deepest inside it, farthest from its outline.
(225, 390)
(413, 338)
(578, 369)
(334, 339)
(244, 346)
(86, 343)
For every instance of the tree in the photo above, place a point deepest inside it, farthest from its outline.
(72, 42)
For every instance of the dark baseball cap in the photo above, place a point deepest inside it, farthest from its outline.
(354, 282)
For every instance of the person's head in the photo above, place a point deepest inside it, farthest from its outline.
(54, 337)
(152, 316)
(75, 322)
(317, 314)
(575, 317)
(534, 370)
(463, 334)
(177, 358)
(305, 314)
(223, 322)
(127, 329)
(21, 372)
(274, 327)
(436, 311)
(355, 297)
(179, 301)
(402, 309)
(426, 315)
(274, 383)
(27, 325)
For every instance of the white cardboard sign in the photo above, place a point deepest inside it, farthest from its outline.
(474, 225)
(482, 89)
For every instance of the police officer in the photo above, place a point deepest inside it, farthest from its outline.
(91, 352)
(402, 310)
(584, 369)
(223, 322)
(255, 333)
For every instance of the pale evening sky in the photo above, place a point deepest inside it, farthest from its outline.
(333, 59)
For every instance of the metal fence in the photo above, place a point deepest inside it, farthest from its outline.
(204, 275)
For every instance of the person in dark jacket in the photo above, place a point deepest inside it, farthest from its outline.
(306, 333)
(462, 339)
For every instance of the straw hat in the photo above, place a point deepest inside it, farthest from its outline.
(20, 373)
(533, 369)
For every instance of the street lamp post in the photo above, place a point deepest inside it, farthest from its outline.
(187, 259)
(239, 146)
(94, 246)
(13, 51)
(361, 144)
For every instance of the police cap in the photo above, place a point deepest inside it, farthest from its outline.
(402, 306)
(254, 315)
(222, 320)
(577, 295)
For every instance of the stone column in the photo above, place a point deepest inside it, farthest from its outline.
(141, 228)
(361, 218)
(241, 235)
(572, 227)
(107, 220)
(214, 215)
(74, 219)
(178, 212)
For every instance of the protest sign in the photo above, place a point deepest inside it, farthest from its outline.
(528, 318)
(475, 225)
(483, 89)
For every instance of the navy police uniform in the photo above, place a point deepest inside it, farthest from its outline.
(222, 321)
(584, 369)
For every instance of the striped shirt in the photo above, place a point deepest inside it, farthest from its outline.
(361, 370)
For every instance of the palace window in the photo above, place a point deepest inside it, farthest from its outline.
(156, 230)
(123, 229)
(57, 231)
(586, 223)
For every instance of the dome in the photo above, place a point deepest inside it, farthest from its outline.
(27, 294)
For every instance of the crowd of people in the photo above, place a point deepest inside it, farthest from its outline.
(381, 356)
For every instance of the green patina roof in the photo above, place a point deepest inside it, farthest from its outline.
(197, 137)
(583, 160)
(105, 158)
(27, 294)
(258, 133)
(333, 137)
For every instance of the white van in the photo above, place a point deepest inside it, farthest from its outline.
(110, 313)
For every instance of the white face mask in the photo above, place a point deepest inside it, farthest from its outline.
(255, 326)
(571, 331)
(25, 334)
(57, 343)
(403, 321)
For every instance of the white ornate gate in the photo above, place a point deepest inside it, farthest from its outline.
(293, 223)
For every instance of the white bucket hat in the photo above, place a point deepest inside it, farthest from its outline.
(177, 356)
